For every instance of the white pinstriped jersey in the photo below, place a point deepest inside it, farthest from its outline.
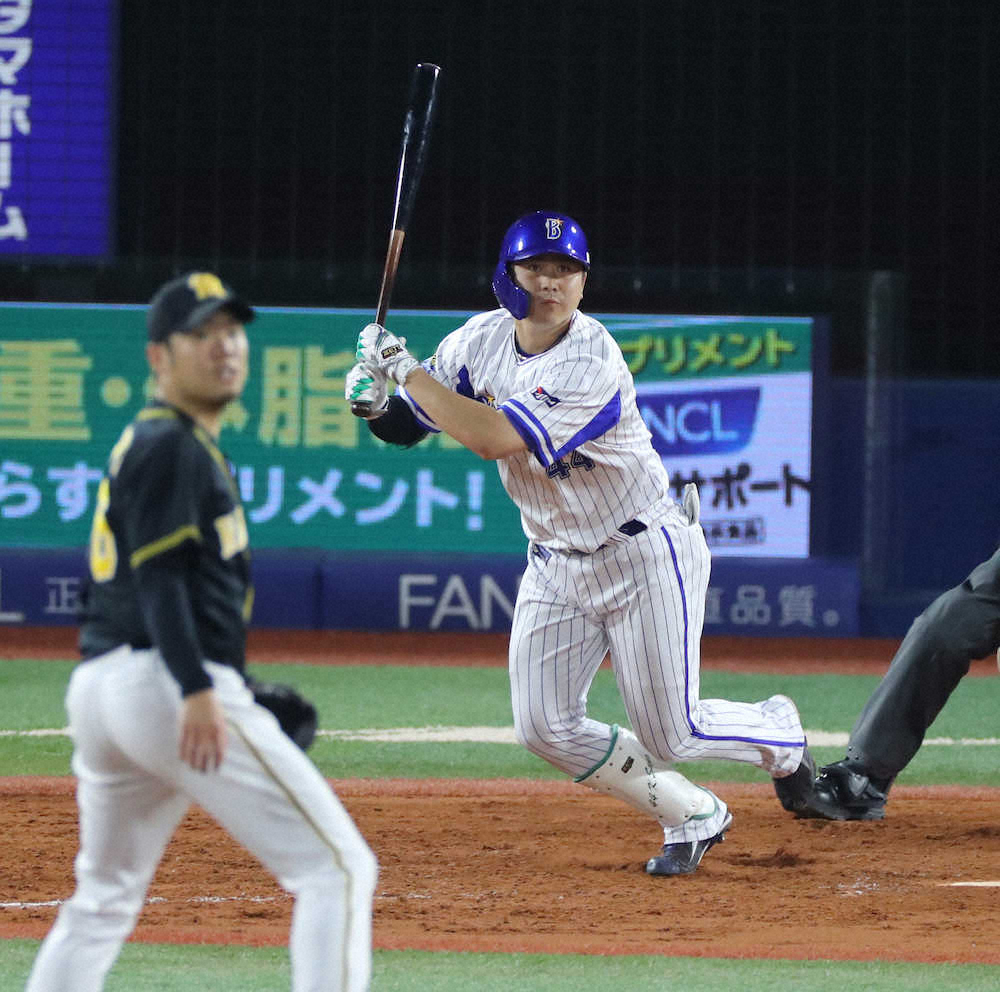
(590, 466)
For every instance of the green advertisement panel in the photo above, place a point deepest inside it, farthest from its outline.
(311, 474)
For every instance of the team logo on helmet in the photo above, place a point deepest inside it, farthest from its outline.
(206, 286)
(553, 228)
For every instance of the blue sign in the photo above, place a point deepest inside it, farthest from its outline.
(696, 423)
(448, 591)
(56, 127)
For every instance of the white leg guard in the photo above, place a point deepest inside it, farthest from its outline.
(630, 773)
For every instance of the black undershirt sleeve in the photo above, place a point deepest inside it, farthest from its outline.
(398, 425)
(166, 609)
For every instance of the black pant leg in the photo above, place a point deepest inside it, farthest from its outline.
(959, 626)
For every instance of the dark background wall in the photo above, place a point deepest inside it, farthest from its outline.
(721, 154)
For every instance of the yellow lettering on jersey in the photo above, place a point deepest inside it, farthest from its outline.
(205, 286)
(103, 551)
(232, 530)
(118, 451)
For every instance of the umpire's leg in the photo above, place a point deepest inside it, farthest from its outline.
(959, 626)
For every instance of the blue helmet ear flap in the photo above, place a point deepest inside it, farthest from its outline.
(508, 293)
(543, 232)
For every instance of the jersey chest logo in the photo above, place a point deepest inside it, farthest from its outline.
(543, 397)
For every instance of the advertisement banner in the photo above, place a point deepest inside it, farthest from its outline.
(448, 591)
(727, 401)
(57, 104)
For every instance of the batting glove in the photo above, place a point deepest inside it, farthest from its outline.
(381, 350)
(367, 392)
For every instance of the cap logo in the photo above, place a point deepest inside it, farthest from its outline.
(553, 228)
(205, 286)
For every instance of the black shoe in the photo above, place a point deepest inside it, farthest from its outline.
(683, 858)
(793, 790)
(843, 792)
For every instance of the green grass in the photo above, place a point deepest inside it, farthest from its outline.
(380, 759)
(165, 968)
(354, 697)
(400, 696)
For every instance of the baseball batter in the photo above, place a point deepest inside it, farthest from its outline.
(613, 564)
(159, 711)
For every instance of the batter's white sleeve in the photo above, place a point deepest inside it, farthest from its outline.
(572, 403)
(448, 366)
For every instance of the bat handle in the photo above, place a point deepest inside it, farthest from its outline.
(389, 273)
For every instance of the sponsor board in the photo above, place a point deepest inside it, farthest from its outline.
(727, 401)
(747, 445)
(450, 592)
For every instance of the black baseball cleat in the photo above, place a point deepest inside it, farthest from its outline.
(683, 858)
(793, 790)
(843, 791)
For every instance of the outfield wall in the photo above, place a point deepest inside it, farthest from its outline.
(391, 591)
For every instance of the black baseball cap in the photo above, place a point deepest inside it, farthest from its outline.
(183, 303)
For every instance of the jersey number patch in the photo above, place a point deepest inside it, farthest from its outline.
(103, 551)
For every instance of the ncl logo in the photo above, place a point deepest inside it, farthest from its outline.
(699, 423)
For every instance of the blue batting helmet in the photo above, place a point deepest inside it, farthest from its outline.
(540, 233)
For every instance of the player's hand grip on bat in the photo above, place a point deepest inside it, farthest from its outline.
(367, 390)
(382, 351)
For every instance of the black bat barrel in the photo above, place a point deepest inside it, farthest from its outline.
(416, 138)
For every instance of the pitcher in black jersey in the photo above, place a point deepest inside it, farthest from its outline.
(159, 710)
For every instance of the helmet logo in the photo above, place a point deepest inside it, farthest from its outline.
(553, 228)
(205, 286)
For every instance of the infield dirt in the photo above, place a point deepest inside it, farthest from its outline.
(510, 865)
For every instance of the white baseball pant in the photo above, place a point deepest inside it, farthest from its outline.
(642, 599)
(133, 791)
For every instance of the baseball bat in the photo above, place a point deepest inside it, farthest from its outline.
(416, 138)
